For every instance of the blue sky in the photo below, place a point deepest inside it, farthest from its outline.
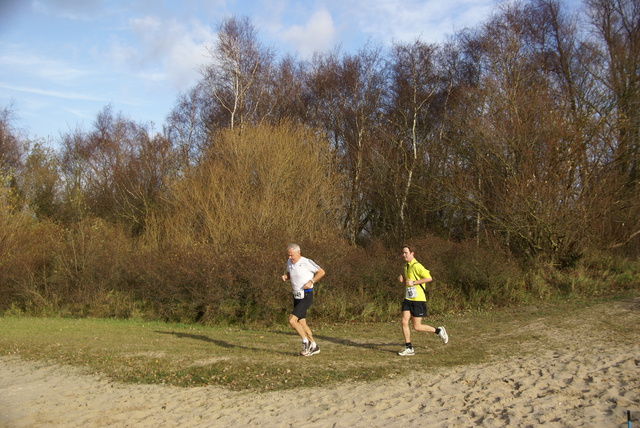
(62, 61)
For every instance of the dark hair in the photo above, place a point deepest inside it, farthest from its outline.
(407, 246)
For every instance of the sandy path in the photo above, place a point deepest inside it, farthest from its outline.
(587, 384)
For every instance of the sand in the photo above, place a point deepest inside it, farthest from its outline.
(586, 383)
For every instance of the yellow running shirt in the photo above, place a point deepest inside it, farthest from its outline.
(415, 271)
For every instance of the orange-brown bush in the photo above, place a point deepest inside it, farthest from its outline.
(48, 269)
(90, 263)
(265, 185)
(218, 242)
(215, 250)
(26, 255)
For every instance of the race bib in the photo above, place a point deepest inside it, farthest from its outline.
(411, 292)
(298, 294)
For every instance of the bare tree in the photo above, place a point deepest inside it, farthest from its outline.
(117, 171)
(10, 146)
(416, 94)
(347, 94)
(238, 76)
(187, 126)
(522, 163)
(40, 181)
(616, 29)
(287, 91)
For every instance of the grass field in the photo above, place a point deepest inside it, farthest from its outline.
(261, 359)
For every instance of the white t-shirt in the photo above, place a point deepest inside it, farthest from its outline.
(300, 273)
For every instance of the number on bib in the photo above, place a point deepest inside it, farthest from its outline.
(411, 292)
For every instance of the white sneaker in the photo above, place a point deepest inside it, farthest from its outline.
(443, 335)
(313, 350)
(406, 352)
(305, 348)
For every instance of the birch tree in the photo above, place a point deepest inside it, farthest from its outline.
(238, 75)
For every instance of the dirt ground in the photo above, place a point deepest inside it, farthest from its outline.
(592, 380)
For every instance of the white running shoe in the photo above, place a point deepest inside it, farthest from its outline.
(406, 352)
(305, 348)
(443, 335)
(313, 350)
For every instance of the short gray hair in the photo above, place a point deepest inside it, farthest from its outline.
(294, 247)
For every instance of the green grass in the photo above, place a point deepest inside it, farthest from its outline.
(263, 359)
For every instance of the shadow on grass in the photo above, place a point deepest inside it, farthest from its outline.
(380, 347)
(350, 343)
(347, 342)
(200, 337)
(220, 343)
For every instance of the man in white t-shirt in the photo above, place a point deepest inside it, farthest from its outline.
(303, 273)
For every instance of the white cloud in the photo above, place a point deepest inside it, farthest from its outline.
(120, 53)
(33, 65)
(175, 48)
(316, 35)
(406, 20)
(82, 114)
(49, 93)
(73, 55)
(146, 24)
(186, 51)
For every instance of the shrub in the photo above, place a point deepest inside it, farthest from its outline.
(26, 257)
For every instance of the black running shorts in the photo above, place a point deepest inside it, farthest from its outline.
(300, 306)
(417, 309)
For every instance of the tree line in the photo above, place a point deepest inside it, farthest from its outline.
(521, 135)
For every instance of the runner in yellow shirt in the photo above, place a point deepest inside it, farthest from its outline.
(414, 305)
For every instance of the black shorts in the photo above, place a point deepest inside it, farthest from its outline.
(300, 306)
(417, 309)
